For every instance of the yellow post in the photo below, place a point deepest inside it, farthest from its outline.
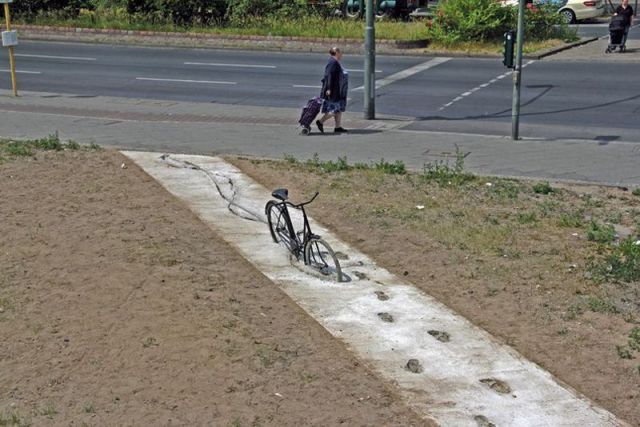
(14, 83)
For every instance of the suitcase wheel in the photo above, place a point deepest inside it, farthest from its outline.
(305, 131)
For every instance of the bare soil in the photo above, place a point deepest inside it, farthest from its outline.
(119, 307)
(515, 262)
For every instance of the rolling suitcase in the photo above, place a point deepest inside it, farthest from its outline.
(309, 114)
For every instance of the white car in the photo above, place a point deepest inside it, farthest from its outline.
(571, 10)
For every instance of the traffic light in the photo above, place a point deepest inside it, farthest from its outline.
(509, 49)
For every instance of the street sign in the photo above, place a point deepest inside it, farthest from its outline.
(9, 38)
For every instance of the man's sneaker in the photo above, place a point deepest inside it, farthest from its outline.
(320, 126)
(340, 130)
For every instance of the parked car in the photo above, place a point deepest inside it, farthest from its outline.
(578, 10)
(395, 8)
(571, 10)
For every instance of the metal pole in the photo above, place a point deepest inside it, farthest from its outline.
(370, 64)
(12, 63)
(517, 73)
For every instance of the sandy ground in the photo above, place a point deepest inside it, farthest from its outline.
(524, 298)
(119, 307)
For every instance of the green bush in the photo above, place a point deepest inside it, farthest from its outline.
(459, 21)
(470, 20)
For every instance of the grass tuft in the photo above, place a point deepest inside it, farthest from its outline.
(600, 233)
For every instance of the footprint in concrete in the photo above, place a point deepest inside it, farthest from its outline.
(360, 275)
(440, 335)
(385, 317)
(483, 421)
(496, 385)
(382, 296)
(413, 365)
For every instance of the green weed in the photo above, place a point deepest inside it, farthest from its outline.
(18, 149)
(543, 188)
(505, 189)
(571, 219)
(624, 352)
(636, 191)
(444, 174)
(600, 233)
(527, 218)
(50, 143)
(88, 408)
(623, 263)
(634, 338)
(599, 305)
(395, 168)
(14, 419)
(48, 410)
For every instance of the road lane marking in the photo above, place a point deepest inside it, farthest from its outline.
(481, 86)
(359, 71)
(308, 86)
(213, 82)
(219, 64)
(21, 72)
(72, 58)
(407, 73)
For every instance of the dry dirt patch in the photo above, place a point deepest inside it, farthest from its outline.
(526, 261)
(119, 307)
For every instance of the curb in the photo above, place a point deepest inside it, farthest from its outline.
(553, 51)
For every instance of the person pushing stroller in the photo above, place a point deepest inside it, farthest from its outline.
(619, 27)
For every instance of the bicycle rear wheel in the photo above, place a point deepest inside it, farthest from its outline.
(277, 223)
(319, 255)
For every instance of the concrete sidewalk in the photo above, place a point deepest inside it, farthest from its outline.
(197, 128)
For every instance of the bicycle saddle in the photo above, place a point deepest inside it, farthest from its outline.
(281, 194)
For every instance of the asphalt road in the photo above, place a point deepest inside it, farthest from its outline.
(572, 99)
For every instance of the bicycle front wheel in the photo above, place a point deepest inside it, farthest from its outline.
(319, 256)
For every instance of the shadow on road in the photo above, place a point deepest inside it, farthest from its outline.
(507, 112)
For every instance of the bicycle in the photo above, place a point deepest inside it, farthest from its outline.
(315, 252)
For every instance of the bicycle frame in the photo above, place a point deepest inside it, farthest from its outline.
(307, 235)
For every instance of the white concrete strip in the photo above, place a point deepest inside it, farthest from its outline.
(70, 58)
(450, 389)
(218, 64)
(308, 86)
(408, 72)
(21, 72)
(185, 81)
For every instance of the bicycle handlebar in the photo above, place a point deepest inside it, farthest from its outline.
(299, 205)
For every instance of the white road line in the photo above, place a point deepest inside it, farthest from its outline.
(309, 86)
(481, 86)
(360, 71)
(408, 72)
(185, 81)
(218, 64)
(21, 72)
(71, 58)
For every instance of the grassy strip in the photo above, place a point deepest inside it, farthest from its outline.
(27, 148)
(489, 217)
(311, 26)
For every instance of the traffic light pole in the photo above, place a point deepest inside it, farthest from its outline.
(370, 64)
(517, 73)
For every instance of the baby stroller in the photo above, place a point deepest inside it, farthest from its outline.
(617, 34)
